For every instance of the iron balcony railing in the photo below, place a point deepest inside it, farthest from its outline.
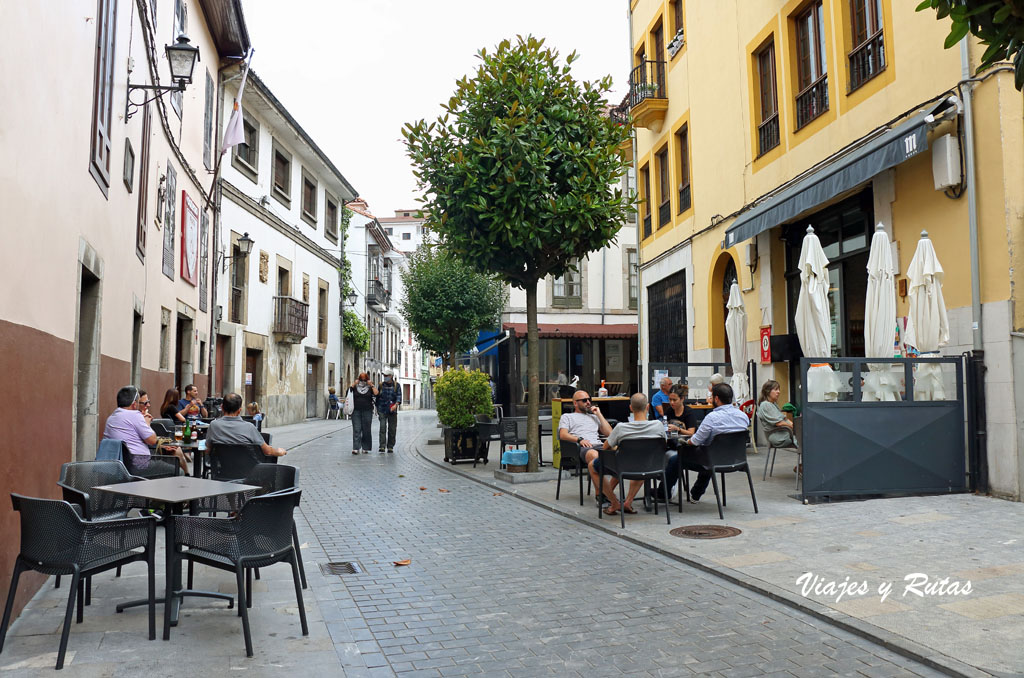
(665, 214)
(377, 295)
(619, 116)
(647, 225)
(647, 81)
(812, 101)
(768, 134)
(684, 198)
(291, 318)
(867, 60)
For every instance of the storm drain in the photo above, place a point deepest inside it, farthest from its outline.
(705, 532)
(341, 567)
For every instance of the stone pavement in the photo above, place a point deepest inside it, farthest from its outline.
(959, 537)
(496, 586)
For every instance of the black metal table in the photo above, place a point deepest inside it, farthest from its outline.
(174, 493)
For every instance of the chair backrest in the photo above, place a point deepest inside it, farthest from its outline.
(728, 449)
(85, 475)
(570, 453)
(51, 530)
(152, 466)
(273, 477)
(166, 423)
(267, 437)
(641, 455)
(232, 462)
(111, 450)
(513, 430)
(164, 430)
(482, 419)
(265, 523)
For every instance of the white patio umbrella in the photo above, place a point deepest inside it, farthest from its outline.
(880, 320)
(736, 332)
(927, 324)
(813, 322)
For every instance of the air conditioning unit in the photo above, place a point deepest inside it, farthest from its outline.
(946, 162)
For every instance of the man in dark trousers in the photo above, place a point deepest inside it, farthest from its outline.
(388, 399)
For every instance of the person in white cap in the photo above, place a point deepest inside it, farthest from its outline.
(388, 400)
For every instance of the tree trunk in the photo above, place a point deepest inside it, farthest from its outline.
(533, 379)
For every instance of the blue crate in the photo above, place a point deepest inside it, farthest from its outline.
(515, 457)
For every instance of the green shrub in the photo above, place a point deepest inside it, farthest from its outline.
(460, 395)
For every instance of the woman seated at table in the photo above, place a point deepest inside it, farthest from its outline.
(682, 418)
(777, 428)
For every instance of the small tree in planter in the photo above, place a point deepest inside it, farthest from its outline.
(460, 396)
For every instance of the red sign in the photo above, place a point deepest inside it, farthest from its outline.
(766, 344)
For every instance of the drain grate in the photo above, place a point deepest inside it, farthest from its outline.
(705, 532)
(342, 567)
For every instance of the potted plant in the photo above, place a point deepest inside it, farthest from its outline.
(460, 396)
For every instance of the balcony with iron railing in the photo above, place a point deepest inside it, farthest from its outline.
(665, 214)
(648, 98)
(291, 319)
(647, 225)
(768, 134)
(867, 60)
(378, 297)
(812, 101)
(684, 197)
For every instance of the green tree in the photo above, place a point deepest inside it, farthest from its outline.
(355, 333)
(998, 24)
(446, 302)
(519, 175)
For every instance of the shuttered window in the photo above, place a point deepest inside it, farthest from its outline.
(204, 254)
(170, 214)
(103, 93)
(208, 124)
(140, 226)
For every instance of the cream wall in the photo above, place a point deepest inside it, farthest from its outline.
(50, 194)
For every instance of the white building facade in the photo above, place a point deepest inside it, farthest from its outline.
(279, 337)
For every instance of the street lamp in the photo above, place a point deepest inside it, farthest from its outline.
(244, 244)
(181, 57)
(352, 297)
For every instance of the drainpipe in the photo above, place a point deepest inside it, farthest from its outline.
(211, 363)
(976, 360)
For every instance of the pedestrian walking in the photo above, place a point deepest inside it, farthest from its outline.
(362, 391)
(388, 400)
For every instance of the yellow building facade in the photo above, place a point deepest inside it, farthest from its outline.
(739, 105)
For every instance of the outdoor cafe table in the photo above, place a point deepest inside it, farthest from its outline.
(174, 493)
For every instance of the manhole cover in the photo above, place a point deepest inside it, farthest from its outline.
(341, 567)
(705, 532)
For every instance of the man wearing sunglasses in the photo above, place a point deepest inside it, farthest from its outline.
(130, 424)
(583, 426)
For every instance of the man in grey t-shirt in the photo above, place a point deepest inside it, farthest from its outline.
(583, 426)
(640, 427)
(231, 429)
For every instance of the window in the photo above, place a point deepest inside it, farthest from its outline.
(180, 26)
(170, 220)
(128, 175)
(239, 283)
(103, 94)
(140, 224)
(645, 195)
(321, 314)
(204, 261)
(136, 367)
(567, 289)
(330, 218)
(632, 276)
(664, 194)
(658, 39)
(389, 230)
(683, 167)
(812, 74)
(309, 199)
(208, 124)
(768, 126)
(202, 357)
(165, 339)
(245, 156)
(868, 56)
(677, 15)
(284, 282)
(666, 301)
(407, 236)
(282, 178)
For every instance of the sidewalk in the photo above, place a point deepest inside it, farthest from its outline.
(846, 546)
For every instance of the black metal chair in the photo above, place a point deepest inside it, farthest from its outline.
(234, 462)
(259, 536)
(162, 427)
(513, 434)
(487, 431)
(151, 467)
(56, 540)
(570, 461)
(635, 459)
(726, 453)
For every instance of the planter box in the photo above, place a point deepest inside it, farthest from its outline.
(461, 444)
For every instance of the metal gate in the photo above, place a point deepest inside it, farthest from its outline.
(914, 445)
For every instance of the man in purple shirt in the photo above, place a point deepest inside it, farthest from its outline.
(128, 425)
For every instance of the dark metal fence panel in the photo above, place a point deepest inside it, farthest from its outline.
(852, 446)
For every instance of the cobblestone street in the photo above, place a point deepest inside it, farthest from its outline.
(499, 587)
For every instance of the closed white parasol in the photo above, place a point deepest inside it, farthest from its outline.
(736, 332)
(927, 324)
(880, 320)
(813, 324)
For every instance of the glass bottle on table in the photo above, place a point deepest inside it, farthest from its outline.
(188, 429)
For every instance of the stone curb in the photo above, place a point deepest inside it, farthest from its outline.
(887, 639)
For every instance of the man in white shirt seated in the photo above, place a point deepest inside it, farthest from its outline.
(583, 426)
(638, 427)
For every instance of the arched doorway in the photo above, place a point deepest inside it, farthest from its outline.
(728, 278)
(723, 275)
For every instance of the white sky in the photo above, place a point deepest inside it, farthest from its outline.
(352, 72)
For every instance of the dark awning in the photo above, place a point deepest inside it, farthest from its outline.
(838, 176)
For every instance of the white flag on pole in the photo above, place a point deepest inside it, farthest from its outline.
(234, 134)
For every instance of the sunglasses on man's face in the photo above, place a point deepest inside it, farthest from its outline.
(143, 403)
(582, 400)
